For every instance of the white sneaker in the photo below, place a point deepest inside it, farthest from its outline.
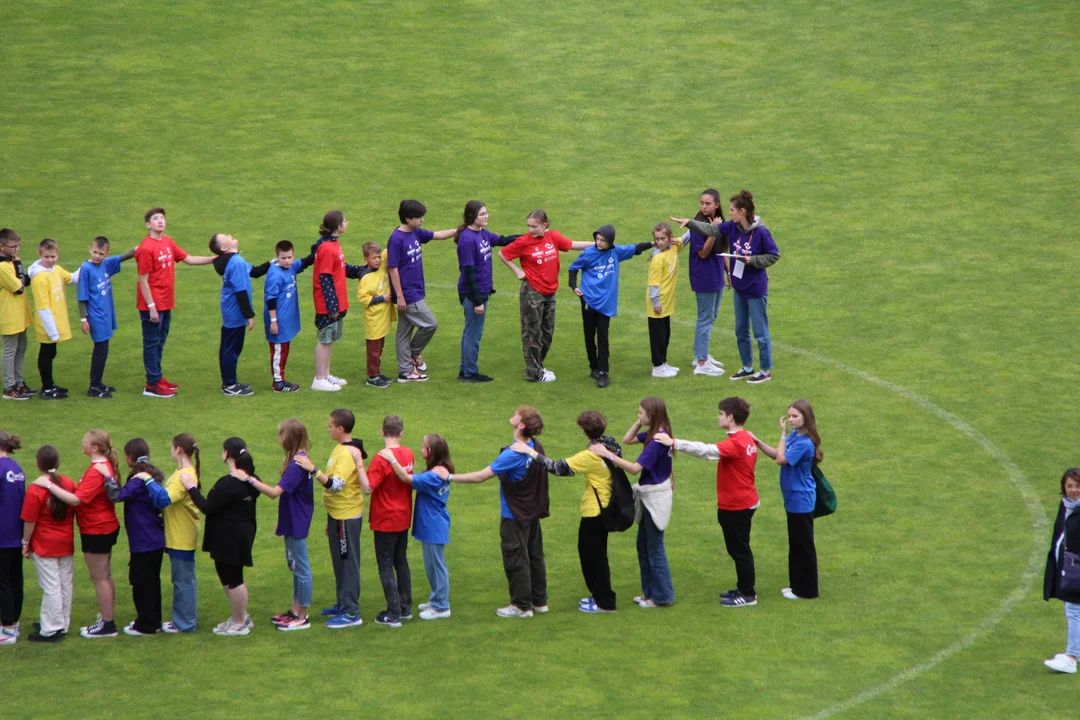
(548, 376)
(713, 361)
(232, 630)
(423, 606)
(248, 622)
(324, 385)
(512, 610)
(169, 627)
(220, 627)
(708, 369)
(672, 368)
(787, 593)
(419, 364)
(540, 609)
(1061, 663)
(661, 371)
(337, 381)
(432, 614)
(8, 637)
(129, 629)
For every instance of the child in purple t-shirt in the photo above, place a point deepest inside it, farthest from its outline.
(404, 258)
(12, 494)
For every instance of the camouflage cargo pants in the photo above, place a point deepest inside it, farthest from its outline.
(537, 328)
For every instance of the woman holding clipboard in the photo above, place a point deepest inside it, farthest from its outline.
(752, 251)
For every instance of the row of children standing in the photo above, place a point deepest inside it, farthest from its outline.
(392, 287)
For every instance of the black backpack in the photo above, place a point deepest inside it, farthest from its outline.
(618, 516)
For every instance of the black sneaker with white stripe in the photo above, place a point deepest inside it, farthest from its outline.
(742, 375)
(100, 629)
(237, 390)
(739, 600)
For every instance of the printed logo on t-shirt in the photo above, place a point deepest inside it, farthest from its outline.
(13, 476)
(544, 254)
(751, 450)
(164, 258)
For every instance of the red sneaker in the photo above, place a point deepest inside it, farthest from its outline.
(159, 391)
(165, 383)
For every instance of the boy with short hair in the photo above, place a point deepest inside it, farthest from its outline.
(379, 311)
(237, 314)
(281, 309)
(344, 483)
(389, 518)
(51, 326)
(97, 311)
(156, 258)
(736, 494)
(405, 258)
(14, 315)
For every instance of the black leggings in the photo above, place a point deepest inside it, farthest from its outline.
(596, 337)
(659, 337)
(97, 362)
(46, 355)
(11, 585)
(231, 576)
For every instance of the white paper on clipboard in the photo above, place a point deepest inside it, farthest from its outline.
(730, 255)
(738, 269)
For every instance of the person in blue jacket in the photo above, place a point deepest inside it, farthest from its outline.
(599, 293)
(237, 314)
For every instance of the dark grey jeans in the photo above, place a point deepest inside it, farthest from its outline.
(523, 561)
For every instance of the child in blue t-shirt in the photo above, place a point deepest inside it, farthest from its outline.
(97, 311)
(431, 520)
(599, 294)
(237, 314)
(281, 309)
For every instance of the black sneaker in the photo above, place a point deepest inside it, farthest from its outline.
(742, 375)
(237, 390)
(37, 637)
(477, 378)
(593, 374)
(739, 600)
(15, 393)
(100, 629)
(52, 394)
(602, 379)
(109, 388)
(99, 391)
(759, 377)
(406, 614)
(378, 382)
(385, 618)
(26, 389)
(283, 386)
(60, 389)
(729, 593)
(385, 377)
(37, 628)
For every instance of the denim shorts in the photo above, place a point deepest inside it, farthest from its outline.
(332, 332)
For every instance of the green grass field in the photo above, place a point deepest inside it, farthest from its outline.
(904, 155)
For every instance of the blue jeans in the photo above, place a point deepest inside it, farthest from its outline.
(470, 337)
(753, 310)
(437, 575)
(185, 593)
(653, 562)
(296, 558)
(153, 342)
(708, 307)
(1072, 617)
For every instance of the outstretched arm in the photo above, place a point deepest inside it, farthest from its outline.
(474, 477)
(444, 234)
(198, 259)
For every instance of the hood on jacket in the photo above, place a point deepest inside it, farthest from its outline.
(611, 443)
(221, 261)
(36, 268)
(607, 232)
(320, 241)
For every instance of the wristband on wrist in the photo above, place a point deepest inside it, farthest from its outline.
(449, 477)
(82, 319)
(151, 305)
(393, 461)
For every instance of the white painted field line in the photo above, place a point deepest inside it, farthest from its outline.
(1036, 514)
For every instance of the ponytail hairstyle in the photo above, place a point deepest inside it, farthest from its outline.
(745, 201)
(293, 437)
(809, 422)
(472, 209)
(539, 215)
(185, 443)
(236, 450)
(715, 195)
(101, 440)
(331, 221)
(138, 454)
(438, 452)
(48, 460)
(9, 443)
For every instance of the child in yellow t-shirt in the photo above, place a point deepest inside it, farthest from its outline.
(14, 315)
(660, 297)
(379, 311)
(51, 326)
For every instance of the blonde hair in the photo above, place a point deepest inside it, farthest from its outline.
(101, 440)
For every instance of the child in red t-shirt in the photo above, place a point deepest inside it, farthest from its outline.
(156, 258)
(331, 296)
(538, 251)
(389, 517)
(49, 539)
(736, 494)
(98, 527)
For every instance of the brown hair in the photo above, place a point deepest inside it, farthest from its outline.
(186, 444)
(438, 452)
(1073, 474)
(46, 244)
(331, 221)
(745, 201)
(101, 242)
(9, 443)
(737, 408)
(371, 248)
(293, 438)
(48, 460)
(538, 214)
(135, 449)
(592, 424)
(393, 426)
(152, 212)
(530, 418)
(101, 440)
(662, 227)
(715, 195)
(9, 236)
(809, 426)
(656, 411)
(343, 419)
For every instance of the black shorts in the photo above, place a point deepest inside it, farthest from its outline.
(99, 544)
(231, 576)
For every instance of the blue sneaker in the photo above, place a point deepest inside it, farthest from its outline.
(332, 611)
(344, 621)
(592, 607)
